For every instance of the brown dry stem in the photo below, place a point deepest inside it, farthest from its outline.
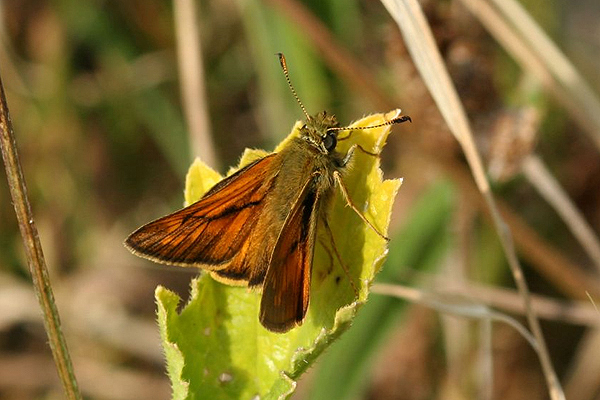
(33, 251)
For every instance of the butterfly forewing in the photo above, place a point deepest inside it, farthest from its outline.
(286, 288)
(210, 232)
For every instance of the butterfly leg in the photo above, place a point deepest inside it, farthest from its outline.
(324, 245)
(349, 202)
(337, 255)
(350, 153)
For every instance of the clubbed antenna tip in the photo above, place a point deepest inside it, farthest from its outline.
(289, 82)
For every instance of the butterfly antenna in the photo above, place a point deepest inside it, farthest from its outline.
(396, 120)
(289, 82)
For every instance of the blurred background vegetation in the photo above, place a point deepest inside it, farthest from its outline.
(95, 96)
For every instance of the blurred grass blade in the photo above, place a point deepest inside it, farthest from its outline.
(532, 48)
(268, 33)
(422, 48)
(165, 124)
(524, 39)
(453, 306)
(191, 80)
(421, 45)
(485, 361)
(538, 175)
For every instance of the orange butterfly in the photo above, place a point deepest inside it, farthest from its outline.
(258, 226)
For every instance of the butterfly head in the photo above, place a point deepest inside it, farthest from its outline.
(317, 131)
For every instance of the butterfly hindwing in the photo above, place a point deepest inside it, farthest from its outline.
(286, 287)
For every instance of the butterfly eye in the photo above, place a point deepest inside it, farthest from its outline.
(329, 142)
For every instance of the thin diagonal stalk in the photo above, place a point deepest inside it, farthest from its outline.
(508, 300)
(485, 361)
(421, 45)
(192, 80)
(531, 47)
(538, 175)
(543, 257)
(33, 251)
(454, 306)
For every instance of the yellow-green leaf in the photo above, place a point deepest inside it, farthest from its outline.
(217, 349)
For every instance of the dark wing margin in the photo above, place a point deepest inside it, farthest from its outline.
(286, 288)
(211, 231)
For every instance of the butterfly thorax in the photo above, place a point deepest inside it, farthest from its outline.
(311, 158)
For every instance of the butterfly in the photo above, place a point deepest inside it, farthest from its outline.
(257, 227)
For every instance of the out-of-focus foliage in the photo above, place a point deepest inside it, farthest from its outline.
(93, 90)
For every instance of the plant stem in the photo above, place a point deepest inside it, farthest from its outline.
(33, 251)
